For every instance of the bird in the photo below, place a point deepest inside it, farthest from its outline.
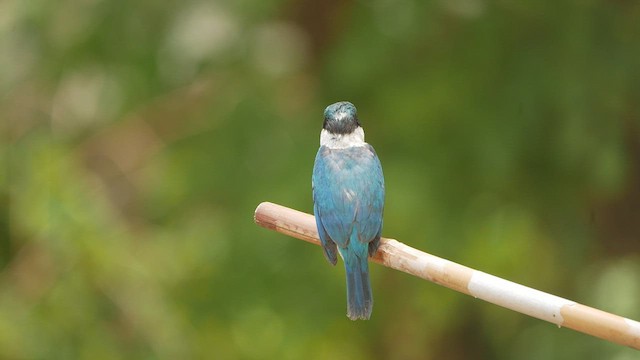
(348, 198)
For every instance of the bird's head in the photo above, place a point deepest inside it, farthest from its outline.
(341, 118)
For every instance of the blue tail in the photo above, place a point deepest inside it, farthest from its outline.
(359, 296)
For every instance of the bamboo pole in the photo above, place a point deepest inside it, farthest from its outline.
(525, 300)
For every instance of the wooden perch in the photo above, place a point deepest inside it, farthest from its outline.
(535, 303)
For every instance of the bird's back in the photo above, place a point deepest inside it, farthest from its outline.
(349, 192)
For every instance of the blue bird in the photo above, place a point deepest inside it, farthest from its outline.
(348, 196)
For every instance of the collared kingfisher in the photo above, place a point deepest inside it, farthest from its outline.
(348, 196)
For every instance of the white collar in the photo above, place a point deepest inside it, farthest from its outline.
(342, 141)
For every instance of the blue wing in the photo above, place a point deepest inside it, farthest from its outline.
(348, 192)
(328, 245)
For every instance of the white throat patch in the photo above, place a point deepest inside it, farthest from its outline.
(342, 141)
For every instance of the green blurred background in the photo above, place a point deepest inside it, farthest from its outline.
(139, 136)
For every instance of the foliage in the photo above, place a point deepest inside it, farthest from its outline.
(139, 136)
